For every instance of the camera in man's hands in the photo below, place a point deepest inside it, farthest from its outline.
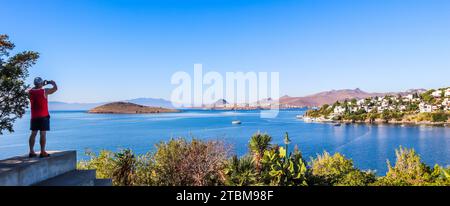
(46, 82)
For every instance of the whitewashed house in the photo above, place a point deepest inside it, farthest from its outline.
(447, 92)
(446, 102)
(381, 109)
(360, 102)
(424, 108)
(410, 96)
(339, 110)
(437, 93)
(366, 108)
(434, 108)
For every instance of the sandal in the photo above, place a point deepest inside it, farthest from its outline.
(44, 155)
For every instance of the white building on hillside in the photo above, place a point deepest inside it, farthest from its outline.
(381, 109)
(339, 110)
(410, 96)
(402, 107)
(446, 102)
(360, 102)
(424, 108)
(437, 93)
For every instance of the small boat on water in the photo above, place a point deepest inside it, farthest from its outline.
(337, 124)
(299, 116)
(236, 122)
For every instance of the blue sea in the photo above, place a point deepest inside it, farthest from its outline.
(368, 145)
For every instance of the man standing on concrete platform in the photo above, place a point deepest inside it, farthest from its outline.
(40, 117)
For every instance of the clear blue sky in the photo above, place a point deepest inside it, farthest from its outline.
(120, 49)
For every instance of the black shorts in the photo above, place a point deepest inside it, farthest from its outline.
(40, 124)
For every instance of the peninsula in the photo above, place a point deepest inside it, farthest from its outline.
(129, 108)
(429, 107)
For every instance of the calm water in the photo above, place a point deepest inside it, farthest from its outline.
(368, 146)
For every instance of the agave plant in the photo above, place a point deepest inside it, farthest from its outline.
(284, 169)
(259, 143)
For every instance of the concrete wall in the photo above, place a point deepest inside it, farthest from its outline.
(24, 171)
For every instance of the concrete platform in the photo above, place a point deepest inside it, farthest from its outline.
(24, 171)
(102, 182)
(72, 178)
(57, 170)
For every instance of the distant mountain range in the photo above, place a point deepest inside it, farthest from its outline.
(329, 97)
(318, 99)
(151, 102)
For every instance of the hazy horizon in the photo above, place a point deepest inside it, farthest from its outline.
(160, 98)
(110, 50)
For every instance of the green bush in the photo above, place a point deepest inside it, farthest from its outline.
(337, 170)
(179, 162)
(408, 170)
(176, 163)
(190, 163)
(439, 117)
(357, 178)
(441, 176)
(124, 168)
(103, 163)
(120, 167)
(145, 174)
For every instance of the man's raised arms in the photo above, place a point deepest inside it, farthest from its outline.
(53, 89)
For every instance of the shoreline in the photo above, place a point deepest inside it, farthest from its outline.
(392, 122)
(409, 123)
(241, 108)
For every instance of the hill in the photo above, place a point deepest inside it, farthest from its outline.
(330, 97)
(128, 108)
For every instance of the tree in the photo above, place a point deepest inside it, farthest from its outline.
(386, 115)
(240, 172)
(427, 97)
(13, 94)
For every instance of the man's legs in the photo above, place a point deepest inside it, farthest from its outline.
(31, 141)
(43, 140)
